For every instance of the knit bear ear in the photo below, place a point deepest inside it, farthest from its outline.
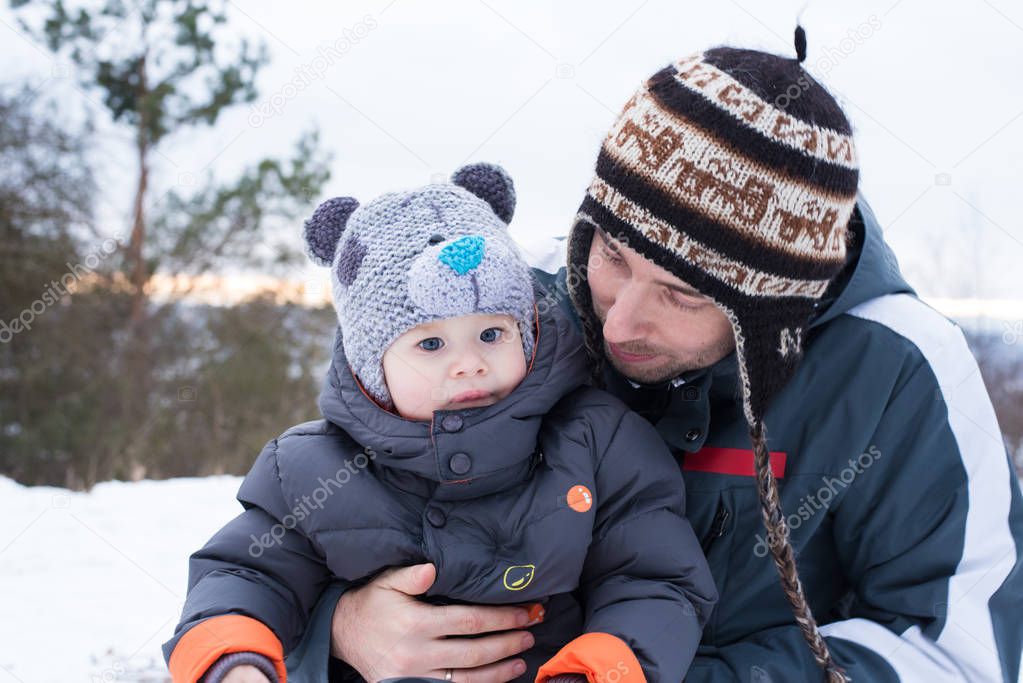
(323, 229)
(492, 184)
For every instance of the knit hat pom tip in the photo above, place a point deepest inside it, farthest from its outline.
(800, 44)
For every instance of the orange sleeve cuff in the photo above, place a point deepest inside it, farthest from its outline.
(207, 641)
(601, 657)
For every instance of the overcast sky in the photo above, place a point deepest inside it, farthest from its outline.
(405, 91)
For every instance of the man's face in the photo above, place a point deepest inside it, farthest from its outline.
(655, 325)
(464, 362)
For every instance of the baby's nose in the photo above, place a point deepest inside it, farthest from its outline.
(463, 254)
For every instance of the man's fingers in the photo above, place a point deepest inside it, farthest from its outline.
(475, 653)
(498, 672)
(413, 580)
(467, 620)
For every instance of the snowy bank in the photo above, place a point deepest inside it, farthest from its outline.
(91, 584)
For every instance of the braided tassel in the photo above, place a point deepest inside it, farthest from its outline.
(785, 560)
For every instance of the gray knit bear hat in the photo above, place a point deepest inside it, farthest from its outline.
(406, 258)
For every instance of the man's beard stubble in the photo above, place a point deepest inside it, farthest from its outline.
(670, 367)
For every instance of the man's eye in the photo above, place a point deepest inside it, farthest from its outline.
(491, 334)
(431, 344)
(610, 255)
(679, 303)
(685, 303)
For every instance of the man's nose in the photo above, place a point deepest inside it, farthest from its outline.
(626, 320)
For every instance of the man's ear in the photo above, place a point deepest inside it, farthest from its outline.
(323, 229)
(492, 184)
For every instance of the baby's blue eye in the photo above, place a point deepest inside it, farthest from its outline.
(486, 335)
(431, 344)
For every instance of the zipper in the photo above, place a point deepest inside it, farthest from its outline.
(535, 459)
(717, 528)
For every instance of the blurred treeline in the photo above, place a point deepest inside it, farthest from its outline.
(1000, 358)
(99, 379)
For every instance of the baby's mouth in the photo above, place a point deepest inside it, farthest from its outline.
(470, 396)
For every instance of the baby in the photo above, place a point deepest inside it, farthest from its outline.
(459, 430)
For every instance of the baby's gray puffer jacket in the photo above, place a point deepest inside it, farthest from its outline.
(557, 494)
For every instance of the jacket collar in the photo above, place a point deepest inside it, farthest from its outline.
(469, 452)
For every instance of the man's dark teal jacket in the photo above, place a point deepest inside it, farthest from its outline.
(904, 509)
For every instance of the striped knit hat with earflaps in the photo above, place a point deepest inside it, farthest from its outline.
(735, 171)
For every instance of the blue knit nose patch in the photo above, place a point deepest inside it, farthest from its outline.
(463, 254)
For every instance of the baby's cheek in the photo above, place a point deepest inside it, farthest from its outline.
(513, 366)
(414, 395)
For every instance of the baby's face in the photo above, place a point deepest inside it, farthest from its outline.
(464, 362)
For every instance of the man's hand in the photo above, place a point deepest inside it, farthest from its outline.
(383, 631)
(246, 673)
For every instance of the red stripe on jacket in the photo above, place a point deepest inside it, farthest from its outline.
(735, 461)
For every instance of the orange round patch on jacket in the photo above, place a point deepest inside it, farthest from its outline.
(579, 498)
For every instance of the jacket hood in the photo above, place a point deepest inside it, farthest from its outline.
(871, 270)
(473, 451)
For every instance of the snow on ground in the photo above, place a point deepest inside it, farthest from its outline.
(91, 584)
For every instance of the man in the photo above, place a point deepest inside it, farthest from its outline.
(844, 467)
